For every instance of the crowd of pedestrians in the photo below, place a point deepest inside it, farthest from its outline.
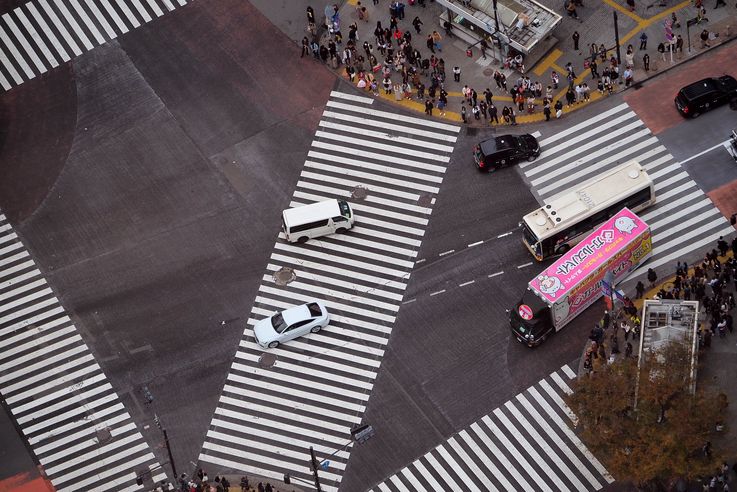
(712, 282)
(396, 56)
(201, 483)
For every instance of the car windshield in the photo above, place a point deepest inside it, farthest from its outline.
(277, 321)
(345, 210)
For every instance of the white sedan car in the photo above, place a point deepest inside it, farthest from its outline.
(291, 323)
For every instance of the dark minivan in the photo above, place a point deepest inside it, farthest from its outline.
(505, 150)
(706, 94)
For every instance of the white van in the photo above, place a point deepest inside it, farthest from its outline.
(317, 219)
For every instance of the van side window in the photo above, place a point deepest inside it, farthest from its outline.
(339, 218)
(310, 225)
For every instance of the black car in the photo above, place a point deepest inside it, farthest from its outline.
(505, 150)
(706, 94)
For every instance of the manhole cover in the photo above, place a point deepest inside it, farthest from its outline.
(488, 72)
(267, 360)
(104, 435)
(424, 201)
(284, 275)
(359, 193)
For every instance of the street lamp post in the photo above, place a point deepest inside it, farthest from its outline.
(616, 37)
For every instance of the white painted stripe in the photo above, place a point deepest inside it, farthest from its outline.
(558, 401)
(307, 383)
(487, 462)
(141, 11)
(8, 237)
(239, 429)
(465, 479)
(372, 280)
(552, 456)
(23, 287)
(427, 476)
(36, 37)
(562, 384)
(21, 313)
(496, 274)
(660, 235)
(501, 436)
(331, 292)
(692, 246)
(568, 371)
(89, 430)
(4, 83)
(65, 391)
(364, 289)
(344, 149)
(385, 136)
(361, 229)
(668, 195)
(466, 459)
(563, 426)
(101, 19)
(573, 150)
(397, 483)
(7, 272)
(444, 253)
(77, 409)
(114, 16)
(525, 444)
(87, 22)
(243, 467)
(351, 97)
(128, 14)
(506, 464)
(395, 117)
(572, 457)
(41, 353)
(413, 480)
(32, 319)
(436, 293)
(296, 250)
(308, 395)
(350, 184)
(31, 380)
(282, 427)
(298, 407)
(524, 265)
(363, 164)
(169, 6)
(73, 24)
(86, 423)
(371, 177)
(103, 464)
(584, 126)
(7, 306)
(15, 257)
(661, 184)
(56, 22)
(466, 283)
(155, 7)
(384, 125)
(16, 54)
(440, 470)
(39, 334)
(685, 237)
(704, 203)
(96, 452)
(475, 244)
(265, 446)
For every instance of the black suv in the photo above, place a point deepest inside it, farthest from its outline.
(705, 94)
(504, 151)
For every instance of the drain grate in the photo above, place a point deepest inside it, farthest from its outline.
(359, 193)
(267, 360)
(284, 275)
(424, 200)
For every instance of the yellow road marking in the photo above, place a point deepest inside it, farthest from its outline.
(625, 11)
(549, 60)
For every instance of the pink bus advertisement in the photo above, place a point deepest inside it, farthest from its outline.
(572, 283)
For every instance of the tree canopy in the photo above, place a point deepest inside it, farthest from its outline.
(662, 435)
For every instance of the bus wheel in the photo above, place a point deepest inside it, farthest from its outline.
(341, 230)
(562, 249)
(302, 240)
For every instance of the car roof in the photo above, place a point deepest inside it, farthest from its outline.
(296, 313)
(501, 142)
(308, 213)
(703, 86)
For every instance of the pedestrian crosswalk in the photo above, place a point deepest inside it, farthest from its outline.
(683, 220)
(526, 444)
(60, 399)
(42, 34)
(311, 391)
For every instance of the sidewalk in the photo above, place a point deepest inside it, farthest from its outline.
(477, 72)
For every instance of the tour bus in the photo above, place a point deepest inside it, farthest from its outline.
(317, 219)
(558, 226)
(574, 282)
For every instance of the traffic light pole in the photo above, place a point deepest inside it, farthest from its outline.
(315, 465)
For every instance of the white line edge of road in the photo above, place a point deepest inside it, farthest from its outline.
(352, 97)
(495, 274)
(721, 144)
(475, 244)
(438, 292)
(524, 265)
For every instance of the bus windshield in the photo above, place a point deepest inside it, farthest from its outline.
(566, 219)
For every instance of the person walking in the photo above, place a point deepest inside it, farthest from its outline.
(464, 115)
(436, 38)
(646, 62)
(416, 22)
(575, 37)
(643, 41)
(652, 277)
(594, 69)
(493, 116)
(546, 110)
(558, 109)
(430, 44)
